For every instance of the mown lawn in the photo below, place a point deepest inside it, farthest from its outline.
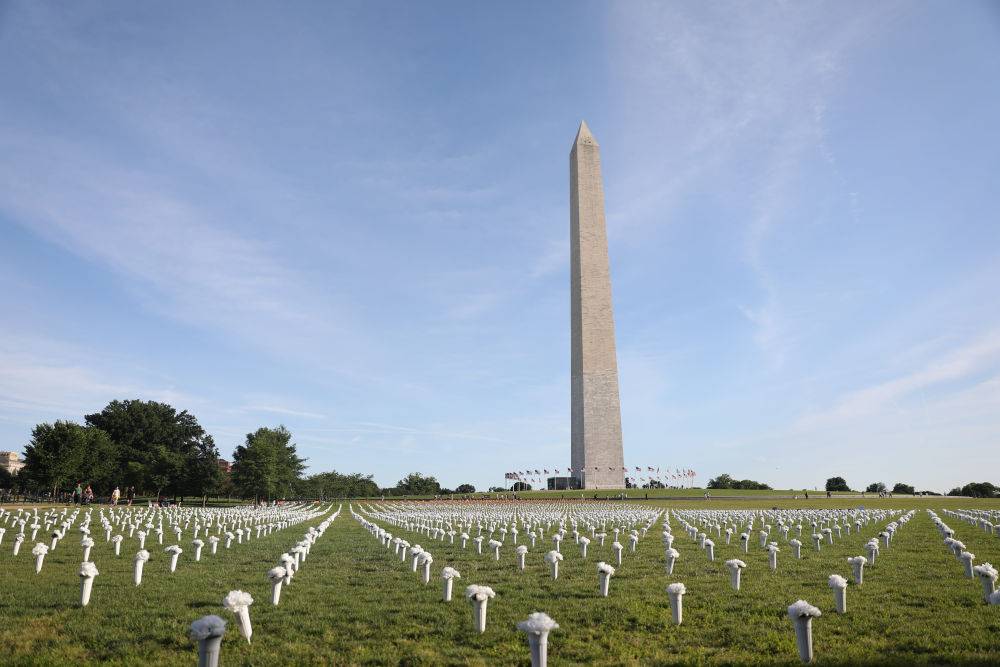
(354, 603)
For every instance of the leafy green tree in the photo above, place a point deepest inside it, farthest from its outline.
(64, 453)
(837, 484)
(159, 448)
(903, 488)
(267, 466)
(750, 485)
(876, 487)
(976, 490)
(465, 488)
(202, 474)
(416, 484)
(723, 481)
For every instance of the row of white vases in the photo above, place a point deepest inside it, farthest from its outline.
(537, 626)
(209, 630)
(88, 570)
(801, 613)
(985, 572)
(233, 523)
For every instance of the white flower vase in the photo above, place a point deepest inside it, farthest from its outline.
(208, 631)
(967, 560)
(672, 556)
(604, 573)
(86, 587)
(239, 603)
(803, 629)
(987, 577)
(479, 615)
(839, 586)
(137, 572)
(449, 584)
(276, 590)
(676, 593)
(735, 573)
(537, 627)
(478, 596)
(858, 568)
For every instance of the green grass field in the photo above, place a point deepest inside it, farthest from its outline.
(354, 603)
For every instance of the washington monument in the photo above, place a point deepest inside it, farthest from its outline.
(597, 458)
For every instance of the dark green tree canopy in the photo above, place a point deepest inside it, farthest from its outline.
(977, 490)
(876, 487)
(837, 484)
(267, 466)
(465, 488)
(64, 453)
(416, 484)
(725, 481)
(899, 487)
(159, 448)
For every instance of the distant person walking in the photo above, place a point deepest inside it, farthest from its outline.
(88, 495)
(78, 494)
(130, 494)
(115, 495)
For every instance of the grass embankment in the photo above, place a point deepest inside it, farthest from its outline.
(354, 603)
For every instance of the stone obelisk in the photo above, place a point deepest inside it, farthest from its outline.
(597, 456)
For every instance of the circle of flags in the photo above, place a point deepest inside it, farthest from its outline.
(648, 474)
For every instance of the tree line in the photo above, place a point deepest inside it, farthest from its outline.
(163, 452)
(725, 481)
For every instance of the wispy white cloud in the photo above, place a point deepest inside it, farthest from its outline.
(963, 364)
(742, 92)
(46, 377)
(279, 410)
(191, 267)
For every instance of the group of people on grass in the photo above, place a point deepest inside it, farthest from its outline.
(85, 495)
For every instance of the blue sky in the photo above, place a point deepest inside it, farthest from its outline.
(352, 218)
